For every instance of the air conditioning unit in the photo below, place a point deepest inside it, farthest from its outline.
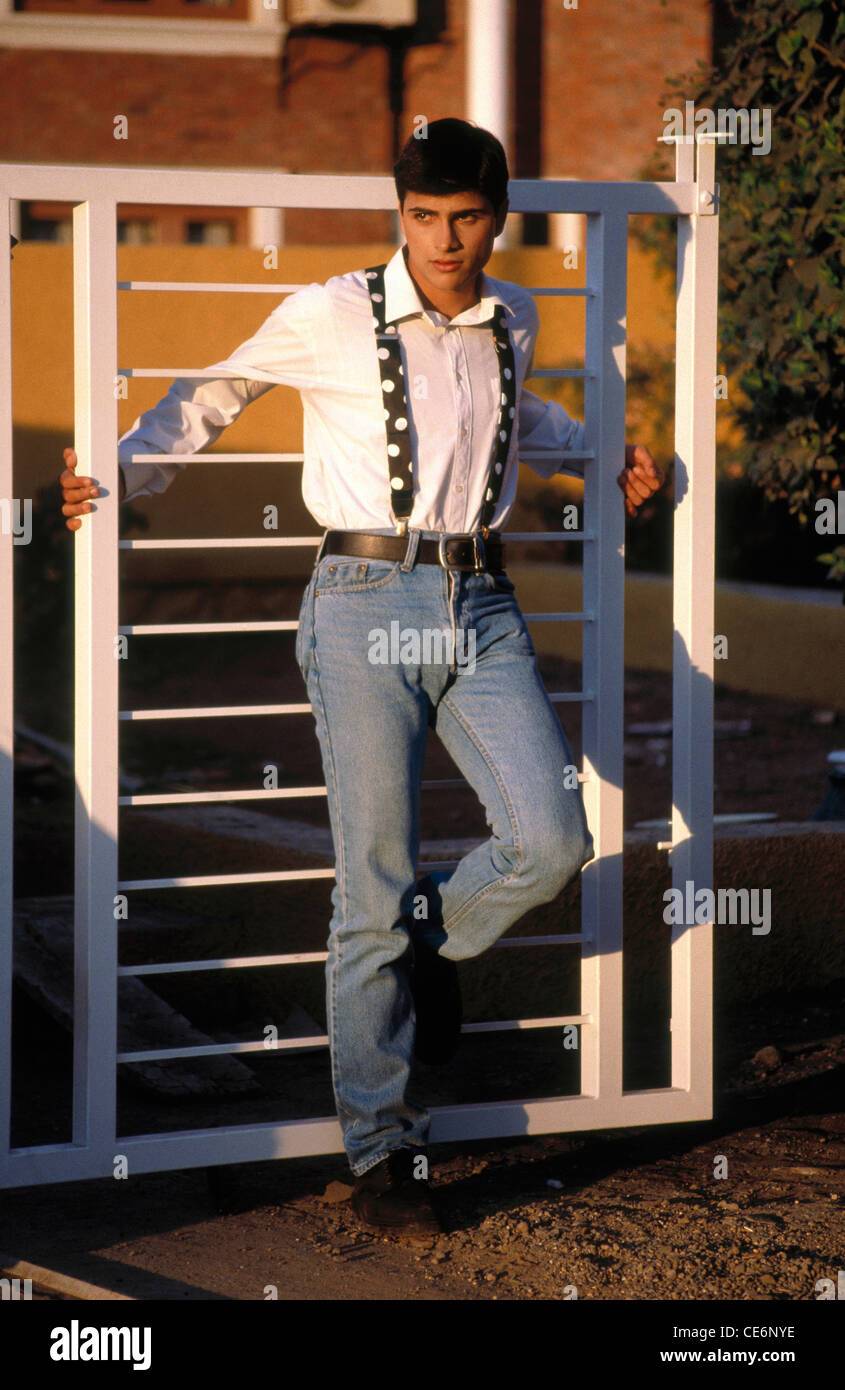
(388, 13)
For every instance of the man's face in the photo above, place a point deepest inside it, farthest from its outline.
(450, 239)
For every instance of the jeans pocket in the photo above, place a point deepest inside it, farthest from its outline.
(348, 574)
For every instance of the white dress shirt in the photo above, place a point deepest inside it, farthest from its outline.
(321, 341)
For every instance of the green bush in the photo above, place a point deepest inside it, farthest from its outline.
(782, 249)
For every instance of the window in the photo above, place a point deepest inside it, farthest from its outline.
(170, 9)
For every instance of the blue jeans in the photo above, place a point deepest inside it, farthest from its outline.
(375, 691)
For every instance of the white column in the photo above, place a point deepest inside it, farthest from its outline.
(488, 48)
(266, 227)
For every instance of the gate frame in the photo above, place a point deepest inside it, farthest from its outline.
(602, 1103)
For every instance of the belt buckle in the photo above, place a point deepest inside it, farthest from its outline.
(479, 554)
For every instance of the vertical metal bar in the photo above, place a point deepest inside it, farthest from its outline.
(603, 652)
(7, 693)
(692, 695)
(96, 677)
(684, 160)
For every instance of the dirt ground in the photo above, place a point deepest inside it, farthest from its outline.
(632, 1214)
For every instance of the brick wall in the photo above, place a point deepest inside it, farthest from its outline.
(587, 100)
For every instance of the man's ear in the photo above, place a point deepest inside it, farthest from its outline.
(501, 217)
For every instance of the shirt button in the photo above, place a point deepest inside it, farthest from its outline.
(459, 487)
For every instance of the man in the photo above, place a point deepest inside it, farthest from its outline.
(414, 415)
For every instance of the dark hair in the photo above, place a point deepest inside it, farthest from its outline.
(452, 156)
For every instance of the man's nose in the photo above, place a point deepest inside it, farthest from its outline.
(447, 237)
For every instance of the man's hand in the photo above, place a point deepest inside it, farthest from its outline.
(640, 478)
(77, 491)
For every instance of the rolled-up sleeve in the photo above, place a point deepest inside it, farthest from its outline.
(195, 411)
(546, 425)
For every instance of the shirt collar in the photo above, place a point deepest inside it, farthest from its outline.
(402, 299)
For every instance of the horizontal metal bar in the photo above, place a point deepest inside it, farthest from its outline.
(548, 536)
(220, 457)
(177, 967)
(268, 188)
(132, 885)
(565, 195)
(241, 711)
(552, 618)
(166, 1054)
(187, 629)
(204, 286)
(320, 1040)
(248, 542)
(557, 454)
(227, 1144)
(509, 1025)
(571, 697)
(292, 793)
(237, 794)
(259, 287)
(578, 373)
(211, 187)
(567, 939)
(212, 712)
(215, 457)
(180, 374)
(182, 629)
(223, 543)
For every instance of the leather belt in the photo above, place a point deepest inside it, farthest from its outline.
(453, 552)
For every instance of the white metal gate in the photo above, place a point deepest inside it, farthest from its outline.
(602, 1102)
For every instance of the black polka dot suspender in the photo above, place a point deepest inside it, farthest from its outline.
(400, 462)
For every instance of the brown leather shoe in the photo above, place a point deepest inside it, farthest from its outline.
(390, 1199)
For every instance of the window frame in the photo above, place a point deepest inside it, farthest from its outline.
(139, 9)
(170, 219)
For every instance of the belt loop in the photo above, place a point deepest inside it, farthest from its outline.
(411, 552)
(322, 547)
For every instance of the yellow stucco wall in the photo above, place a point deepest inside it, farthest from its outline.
(790, 649)
(781, 646)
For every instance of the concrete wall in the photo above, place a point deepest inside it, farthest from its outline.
(789, 646)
